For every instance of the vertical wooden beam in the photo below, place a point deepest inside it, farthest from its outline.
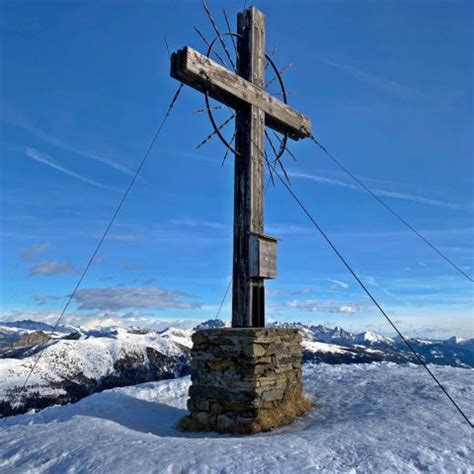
(248, 294)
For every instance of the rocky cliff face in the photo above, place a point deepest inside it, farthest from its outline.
(31, 339)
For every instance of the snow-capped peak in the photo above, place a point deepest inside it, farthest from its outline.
(180, 337)
(30, 325)
(457, 340)
(369, 337)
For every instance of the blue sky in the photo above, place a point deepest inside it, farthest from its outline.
(388, 86)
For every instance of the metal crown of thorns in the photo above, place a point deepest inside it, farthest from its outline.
(217, 129)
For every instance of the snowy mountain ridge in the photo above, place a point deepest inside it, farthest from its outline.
(83, 362)
(75, 362)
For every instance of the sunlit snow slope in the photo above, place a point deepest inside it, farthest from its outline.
(377, 418)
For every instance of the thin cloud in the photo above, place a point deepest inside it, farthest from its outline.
(319, 306)
(132, 297)
(189, 222)
(130, 267)
(123, 237)
(85, 154)
(51, 267)
(149, 281)
(379, 192)
(370, 280)
(45, 299)
(13, 117)
(48, 161)
(34, 251)
(347, 308)
(286, 292)
(339, 284)
(441, 233)
(396, 298)
(382, 83)
(287, 229)
(271, 293)
(420, 199)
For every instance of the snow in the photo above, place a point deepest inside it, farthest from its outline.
(314, 346)
(7, 330)
(376, 418)
(372, 338)
(92, 357)
(180, 337)
(336, 335)
(462, 342)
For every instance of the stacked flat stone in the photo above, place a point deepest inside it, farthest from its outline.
(245, 380)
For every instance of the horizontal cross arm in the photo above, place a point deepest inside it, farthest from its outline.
(203, 74)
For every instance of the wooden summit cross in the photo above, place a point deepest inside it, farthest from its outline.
(254, 253)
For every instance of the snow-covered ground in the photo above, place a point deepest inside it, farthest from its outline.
(374, 418)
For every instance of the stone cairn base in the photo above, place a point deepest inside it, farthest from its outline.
(245, 380)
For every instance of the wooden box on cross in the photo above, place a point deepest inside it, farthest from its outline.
(262, 253)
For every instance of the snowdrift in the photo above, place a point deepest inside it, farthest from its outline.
(378, 417)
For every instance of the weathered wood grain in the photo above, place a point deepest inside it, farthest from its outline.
(248, 294)
(204, 74)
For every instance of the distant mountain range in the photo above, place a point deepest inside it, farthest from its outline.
(76, 362)
(338, 346)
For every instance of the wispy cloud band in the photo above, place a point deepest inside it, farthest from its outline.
(382, 83)
(13, 117)
(34, 251)
(381, 192)
(51, 267)
(34, 154)
(132, 297)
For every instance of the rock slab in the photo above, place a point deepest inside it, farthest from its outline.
(245, 380)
